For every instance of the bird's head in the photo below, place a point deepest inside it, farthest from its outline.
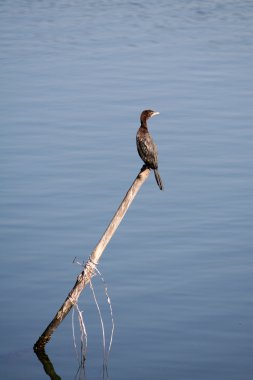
(147, 114)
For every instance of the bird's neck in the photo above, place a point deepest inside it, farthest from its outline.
(144, 124)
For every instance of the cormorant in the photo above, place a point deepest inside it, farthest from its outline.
(147, 149)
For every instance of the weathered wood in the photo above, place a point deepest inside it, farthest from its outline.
(85, 276)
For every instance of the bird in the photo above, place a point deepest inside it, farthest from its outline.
(146, 147)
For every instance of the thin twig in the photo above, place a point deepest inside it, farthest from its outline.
(111, 312)
(101, 319)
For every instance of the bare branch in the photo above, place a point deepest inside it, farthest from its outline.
(85, 276)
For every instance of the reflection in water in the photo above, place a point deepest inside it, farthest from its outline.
(80, 373)
(47, 364)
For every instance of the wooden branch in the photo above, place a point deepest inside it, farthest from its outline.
(85, 276)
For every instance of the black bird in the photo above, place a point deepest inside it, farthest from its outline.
(146, 147)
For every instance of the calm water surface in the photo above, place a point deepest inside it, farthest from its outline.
(74, 78)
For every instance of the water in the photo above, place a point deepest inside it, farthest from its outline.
(74, 78)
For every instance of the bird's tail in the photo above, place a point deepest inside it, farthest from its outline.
(158, 179)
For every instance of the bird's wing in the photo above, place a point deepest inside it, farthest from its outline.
(147, 150)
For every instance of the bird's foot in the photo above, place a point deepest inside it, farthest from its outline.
(144, 167)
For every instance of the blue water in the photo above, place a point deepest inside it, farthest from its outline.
(74, 78)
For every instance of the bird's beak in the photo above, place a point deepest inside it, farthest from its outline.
(155, 113)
